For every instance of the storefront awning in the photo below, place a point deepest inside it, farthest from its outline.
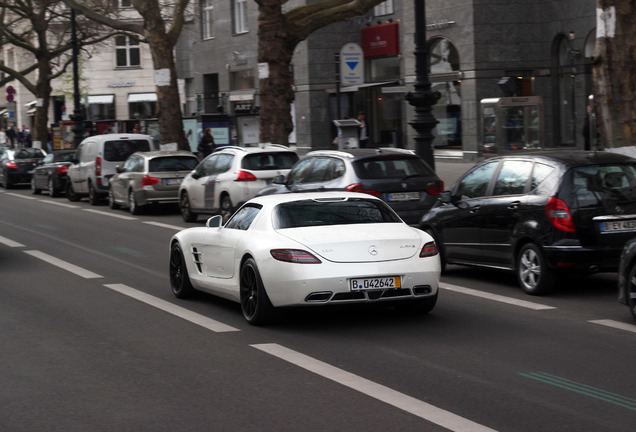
(30, 104)
(101, 99)
(142, 97)
(355, 88)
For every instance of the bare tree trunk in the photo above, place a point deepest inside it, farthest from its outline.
(614, 66)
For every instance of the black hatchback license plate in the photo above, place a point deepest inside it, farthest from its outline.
(618, 226)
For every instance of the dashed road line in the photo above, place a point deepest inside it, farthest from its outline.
(163, 225)
(615, 324)
(59, 203)
(173, 309)
(377, 391)
(10, 243)
(115, 215)
(63, 264)
(21, 196)
(495, 297)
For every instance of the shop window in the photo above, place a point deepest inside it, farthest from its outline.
(384, 69)
(242, 80)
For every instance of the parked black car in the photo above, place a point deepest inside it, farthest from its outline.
(16, 165)
(538, 215)
(627, 276)
(399, 177)
(52, 173)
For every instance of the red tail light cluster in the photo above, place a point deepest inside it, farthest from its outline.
(245, 176)
(149, 181)
(357, 187)
(437, 189)
(559, 215)
(429, 250)
(12, 165)
(98, 170)
(297, 256)
(63, 169)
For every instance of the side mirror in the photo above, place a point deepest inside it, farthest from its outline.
(445, 197)
(195, 174)
(279, 180)
(119, 169)
(215, 221)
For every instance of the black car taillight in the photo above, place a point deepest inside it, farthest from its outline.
(437, 189)
(559, 215)
(429, 250)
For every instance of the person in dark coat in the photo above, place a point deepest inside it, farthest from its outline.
(206, 145)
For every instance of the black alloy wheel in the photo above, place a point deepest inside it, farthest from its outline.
(132, 203)
(255, 304)
(34, 189)
(533, 273)
(179, 279)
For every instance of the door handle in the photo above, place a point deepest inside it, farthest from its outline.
(514, 205)
(473, 210)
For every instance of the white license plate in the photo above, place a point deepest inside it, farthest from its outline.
(403, 196)
(618, 226)
(173, 181)
(375, 283)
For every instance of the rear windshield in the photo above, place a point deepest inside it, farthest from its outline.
(269, 161)
(391, 167)
(63, 156)
(29, 153)
(173, 163)
(118, 151)
(331, 212)
(595, 184)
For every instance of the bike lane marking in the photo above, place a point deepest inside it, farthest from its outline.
(377, 391)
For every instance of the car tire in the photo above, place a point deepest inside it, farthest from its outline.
(111, 200)
(186, 209)
(133, 207)
(7, 181)
(533, 273)
(34, 189)
(93, 197)
(179, 278)
(70, 192)
(418, 306)
(226, 207)
(255, 304)
(631, 290)
(53, 192)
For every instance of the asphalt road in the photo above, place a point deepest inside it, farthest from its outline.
(93, 340)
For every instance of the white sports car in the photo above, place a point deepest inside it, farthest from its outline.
(308, 249)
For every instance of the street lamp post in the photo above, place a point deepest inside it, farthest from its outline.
(423, 98)
(78, 126)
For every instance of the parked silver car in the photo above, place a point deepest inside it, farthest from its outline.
(149, 177)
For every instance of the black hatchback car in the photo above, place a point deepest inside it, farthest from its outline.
(397, 176)
(538, 215)
(52, 172)
(16, 166)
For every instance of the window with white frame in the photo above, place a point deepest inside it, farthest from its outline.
(384, 8)
(128, 52)
(207, 19)
(240, 16)
(124, 4)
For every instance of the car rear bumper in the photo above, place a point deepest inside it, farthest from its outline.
(579, 258)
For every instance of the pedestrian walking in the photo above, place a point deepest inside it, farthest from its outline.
(206, 145)
(364, 131)
(11, 136)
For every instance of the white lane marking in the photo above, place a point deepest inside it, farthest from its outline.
(9, 242)
(173, 309)
(21, 196)
(63, 264)
(59, 204)
(495, 297)
(385, 394)
(115, 215)
(616, 324)
(163, 225)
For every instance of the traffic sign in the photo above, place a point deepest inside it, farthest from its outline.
(351, 65)
(10, 90)
(10, 97)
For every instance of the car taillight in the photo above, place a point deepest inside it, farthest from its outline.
(245, 176)
(149, 181)
(11, 165)
(437, 189)
(62, 169)
(558, 214)
(294, 256)
(357, 187)
(98, 166)
(429, 250)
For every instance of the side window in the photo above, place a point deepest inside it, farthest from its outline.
(78, 152)
(243, 218)
(299, 172)
(475, 183)
(539, 173)
(129, 165)
(224, 163)
(513, 177)
(206, 167)
(48, 158)
(320, 171)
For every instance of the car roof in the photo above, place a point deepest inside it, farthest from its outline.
(118, 136)
(570, 158)
(362, 152)
(164, 153)
(262, 147)
(275, 199)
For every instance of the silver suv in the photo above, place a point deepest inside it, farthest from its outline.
(227, 178)
(397, 176)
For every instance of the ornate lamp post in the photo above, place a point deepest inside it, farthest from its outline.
(78, 124)
(423, 98)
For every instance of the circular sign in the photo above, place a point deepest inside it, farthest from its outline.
(10, 98)
(10, 90)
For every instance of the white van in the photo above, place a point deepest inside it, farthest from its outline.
(95, 162)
